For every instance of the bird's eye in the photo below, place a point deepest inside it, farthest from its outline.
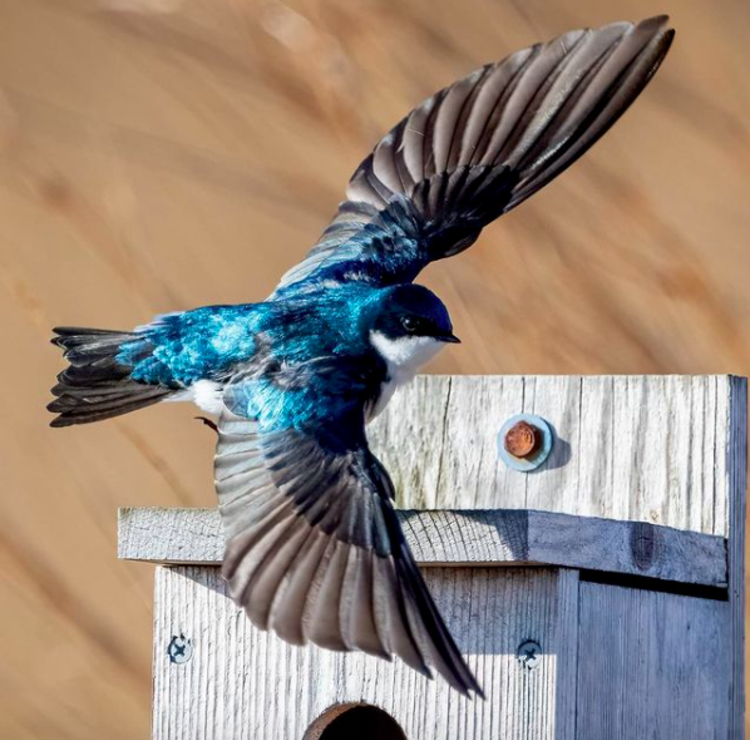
(410, 323)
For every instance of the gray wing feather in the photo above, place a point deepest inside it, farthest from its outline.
(479, 148)
(315, 553)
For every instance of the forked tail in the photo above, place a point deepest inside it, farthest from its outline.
(97, 385)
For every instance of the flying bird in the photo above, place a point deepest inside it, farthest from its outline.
(314, 550)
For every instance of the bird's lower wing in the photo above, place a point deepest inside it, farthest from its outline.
(315, 552)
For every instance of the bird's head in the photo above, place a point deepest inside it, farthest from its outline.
(409, 326)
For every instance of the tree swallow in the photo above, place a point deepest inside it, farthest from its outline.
(314, 550)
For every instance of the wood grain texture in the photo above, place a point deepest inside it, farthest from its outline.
(616, 662)
(736, 462)
(672, 449)
(242, 683)
(652, 665)
(157, 155)
(467, 538)
(649, 448)
(566, 679)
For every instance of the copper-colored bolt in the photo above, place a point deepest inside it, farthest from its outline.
(522, 439)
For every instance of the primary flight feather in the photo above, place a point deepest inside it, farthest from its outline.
(314, 550)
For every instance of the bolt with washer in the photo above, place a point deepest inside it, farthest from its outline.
(525, 442)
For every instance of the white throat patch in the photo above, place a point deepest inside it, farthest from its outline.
(404, 356)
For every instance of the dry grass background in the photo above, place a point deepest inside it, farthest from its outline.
(162, 154)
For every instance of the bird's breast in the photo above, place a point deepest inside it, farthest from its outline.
(387, 389)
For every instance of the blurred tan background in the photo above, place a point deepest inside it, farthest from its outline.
(157, 155)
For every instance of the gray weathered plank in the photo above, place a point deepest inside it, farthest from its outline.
(652, 665)
(472, 537)
(566, 700)
(736, 472)
(242, 683)
(650, 448)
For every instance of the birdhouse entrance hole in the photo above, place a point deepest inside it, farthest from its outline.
(345, 721)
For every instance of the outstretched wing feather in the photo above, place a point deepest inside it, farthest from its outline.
(477, 149)
(315, 552)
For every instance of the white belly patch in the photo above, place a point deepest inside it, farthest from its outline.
(207, 395)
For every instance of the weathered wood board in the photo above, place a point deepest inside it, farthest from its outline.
(664, 449)
(647, 448)
(613, 663)
(245, 684)
(471, 537)
(652, 665)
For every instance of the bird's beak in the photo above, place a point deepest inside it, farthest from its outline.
(452, 338)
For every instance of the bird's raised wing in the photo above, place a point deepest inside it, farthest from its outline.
(478, 148)
(314, 549)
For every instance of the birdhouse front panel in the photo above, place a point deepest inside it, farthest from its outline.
(558, 657)
(217, 677)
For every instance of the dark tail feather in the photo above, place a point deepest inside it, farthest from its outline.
(95, 386)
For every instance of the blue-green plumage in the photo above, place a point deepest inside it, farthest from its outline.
(289, 362)
(212, 342)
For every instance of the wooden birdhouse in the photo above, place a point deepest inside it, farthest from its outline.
(593, 579)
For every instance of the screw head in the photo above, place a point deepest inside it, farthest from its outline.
(525, 442)
(522, 439)
(529, 654)
(180, 649)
